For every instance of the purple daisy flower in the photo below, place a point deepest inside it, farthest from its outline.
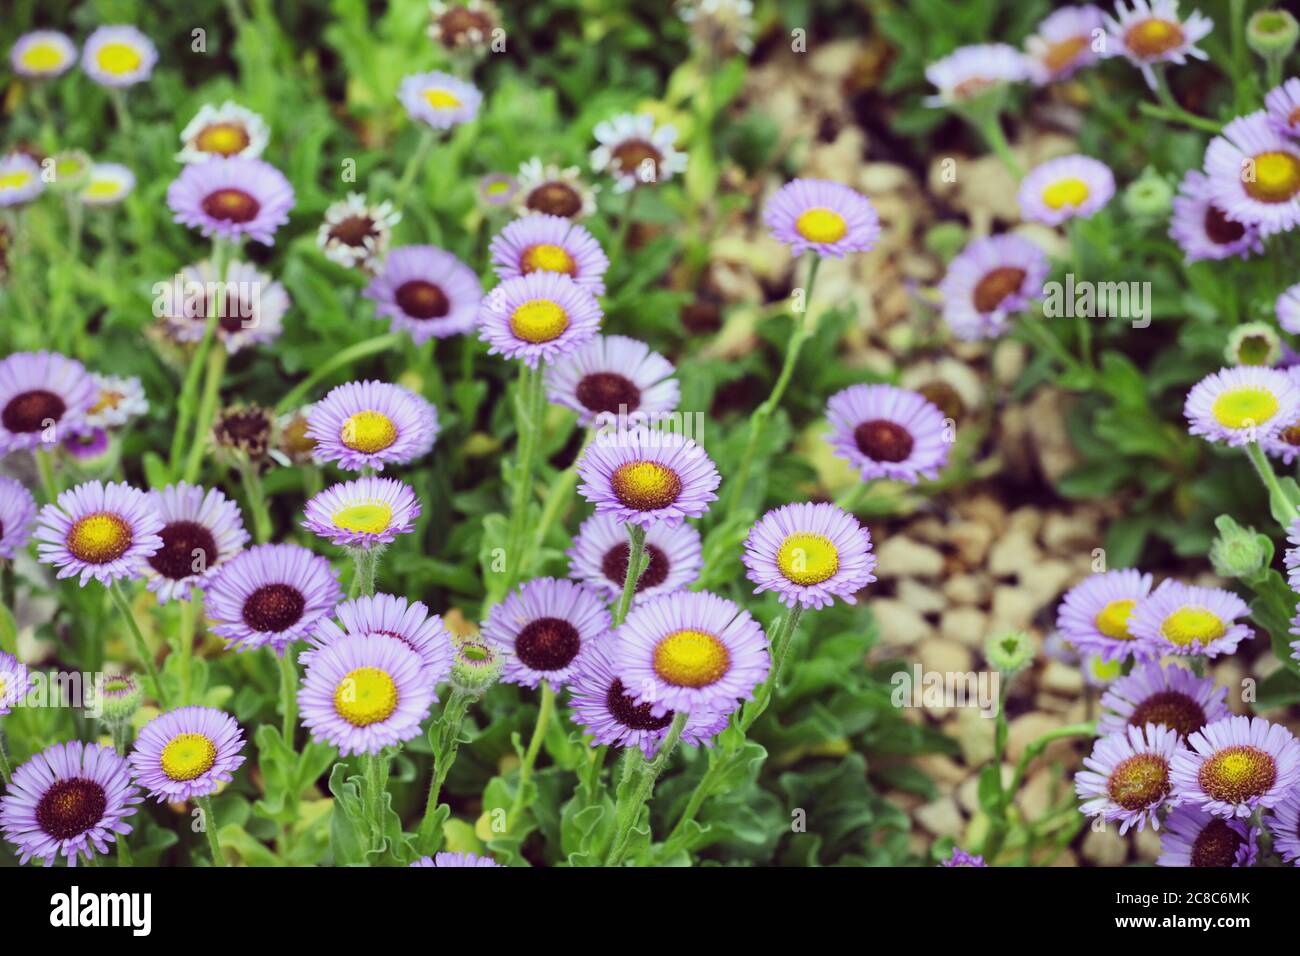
(988, 282)
(604, 708)
(1284, 826)
(613, 376)
(118, 56)
(961, 858)
(201, 531)
(550, 244)
(1128, 776)
(1237, 764)
(827, 217)
(691, 651)
(456, 859)
(636, 152)
(645, 477)
(1254, 173)
(385, 615)
(969, 71)
(42, 54)
(1241, 405)
(17, 509)
(224, 131)
(809, 554)
(1288, 310)
(69, 800)
(1167, 696)
(542, 316)
(108, 185)
(1203, 230)
(355, 233)
(1193, 837)
(232, 198)
(1151, 33)
(98, 531)
(439, 100)
(1096, 614)
(888, 432)
(89, 447)
(496, 190)
(547, 626)
(15, 682)
(1283, 106)
(426, 292)
(1064, 43)
(252, 305)
(119, 400)
(370, 424)
(272, 594)
(366, 513)
(41, 395)
(363, 694)
(186, 753)
(1067, 187)
(601, 548)
(20, 180)
(1180, 618)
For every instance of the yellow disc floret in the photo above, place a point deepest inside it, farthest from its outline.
(188, 756)
(1193, 625)
(118, 58)
(539, 321)
(368, 432)
(1066, 192)
(368, 518)
(99, 538)
(1244, 407)
(690, 658)
(365, 696)
(1112, 620)
(806, 558)
(820, 224)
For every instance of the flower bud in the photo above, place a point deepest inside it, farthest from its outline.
(1010, 653)
(1253, 343)
(1149, 196)
(1272, 34)
(1239, 552)
(122, 696)
(477, 667)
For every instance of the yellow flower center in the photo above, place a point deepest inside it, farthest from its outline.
(368, 432)
(1113, 619)
(1062, 53)
(108, 398)
(645, 485)
(225, 139)
(102, 189)
(1105, 670)
(441, 99)
(15, 180)
(371, 518)
(1139, 781)
(821, 225)
(538, 321)
(806, 558)
(1277, 177)
(1235, 774)
(1153, 37)
(1066, 192)
(188, 756)
(1244, 407)
(365, 696)
(42, 57)
(118, 58)
(547, 258)
(690, 658)
(99, 538)
(1192, 625)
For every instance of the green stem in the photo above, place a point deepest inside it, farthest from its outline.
(990, 128)
(252, 481)
(288, 695)
(120, 731)
(344, 359)
(636, 565)
(544, 713)
(123, 115)
(6, 773)
(210, 830)
(185, 640)
(185, 405)
(802, 332)
(1283, 509)
(365, 564)
(215, 370)
(376, 776)
(1172, 111)
(529, 409)
(560, 494)
(638, 787)
(45, 466)
(446, 745)
(780, 648)
(413, 167)
(141, 646)
(624, 228)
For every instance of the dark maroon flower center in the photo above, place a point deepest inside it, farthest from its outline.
(248, 429)
(231, 205)
(614, 566)
(188, 548)
(459, 23)
(882, 440)
(354, 231)
(1171, 708)
(1216, 845)
(422, 300)
(71, 807)
(629, 713)
(1220, 228)
(32, 411)
(274, 607)
(633, 155)
(555, 199)
(547, 644)
(608, 392)
(996, 286)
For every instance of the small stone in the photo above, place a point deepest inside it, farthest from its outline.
(1013, 609)
(1013, 551)
(966, 589)
(944, 656)
(1044, 581)
(1068, 532)
(924, 598)
(967, 625)
(1146, 844)
(1105, 847)
(972, 539)
(900, 556)
(941, 768)
(985, 508)
(1008, 362)
(1027, 728)
(900, 624)
(975, 733)
(1035, 797)
(1060, 679)
(942, 817)
(1028, 519)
